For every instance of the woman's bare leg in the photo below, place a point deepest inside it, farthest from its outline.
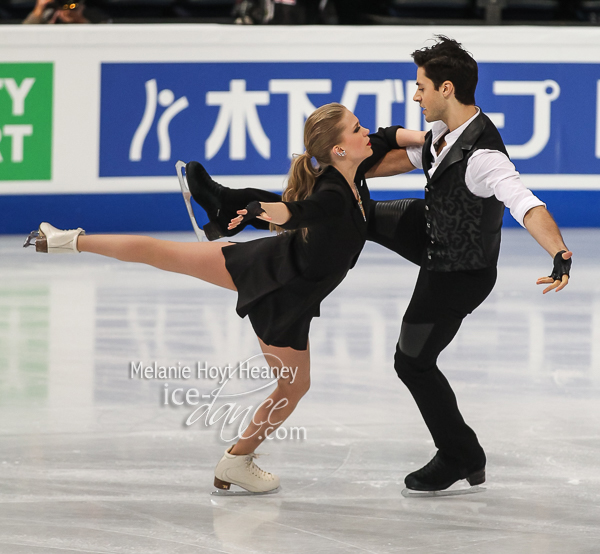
(203, 260)
(282, 401)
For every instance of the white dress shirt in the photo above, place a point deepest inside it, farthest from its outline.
(489, 172)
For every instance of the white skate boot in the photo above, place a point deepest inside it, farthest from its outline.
(243, 472)
(51, 240)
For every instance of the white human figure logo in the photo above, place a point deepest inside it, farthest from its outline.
(165, 98)
(237, 113)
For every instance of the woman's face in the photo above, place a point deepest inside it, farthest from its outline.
(354, 140)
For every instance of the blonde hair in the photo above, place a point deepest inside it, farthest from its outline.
(322, 131)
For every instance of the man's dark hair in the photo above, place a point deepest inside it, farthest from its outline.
(447, 60)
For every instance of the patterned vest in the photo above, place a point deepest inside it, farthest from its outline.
(463, 229)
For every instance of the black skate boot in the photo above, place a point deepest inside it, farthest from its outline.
(221, 203)
(209, 194)
(442, 472)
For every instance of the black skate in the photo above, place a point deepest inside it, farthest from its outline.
(209, 194)
(435, 478)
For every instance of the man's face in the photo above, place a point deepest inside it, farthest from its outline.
(431, 100)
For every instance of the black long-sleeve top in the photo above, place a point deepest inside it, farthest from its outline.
(281, 281)
(336, 227)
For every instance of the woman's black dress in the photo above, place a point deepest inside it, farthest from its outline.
(281, 280)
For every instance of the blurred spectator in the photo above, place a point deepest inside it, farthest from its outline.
(53, 11)
(298, 12)
(260, 12)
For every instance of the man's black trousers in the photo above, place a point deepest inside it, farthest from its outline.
(440, 301)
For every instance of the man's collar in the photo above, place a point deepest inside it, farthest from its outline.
(453, 136)
(464, 139)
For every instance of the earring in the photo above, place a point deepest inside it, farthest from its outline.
(342, 153)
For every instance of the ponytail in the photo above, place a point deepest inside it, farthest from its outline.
(301, 182)
(321, 132)
(302, 177)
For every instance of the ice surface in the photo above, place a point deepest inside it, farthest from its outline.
(92, 461)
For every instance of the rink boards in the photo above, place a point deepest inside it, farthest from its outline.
(92, 120)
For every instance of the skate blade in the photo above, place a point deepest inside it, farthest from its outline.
(187, 195)
(30, 240)
(37, 239)
(242, 492)
(409, 493)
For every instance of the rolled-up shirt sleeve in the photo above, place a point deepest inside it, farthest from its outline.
(415, 155)
(490, 172)
(325, 205)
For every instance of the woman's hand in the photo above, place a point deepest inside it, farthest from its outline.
(240, 218)
(273, 212)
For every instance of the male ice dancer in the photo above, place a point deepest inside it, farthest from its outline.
(453, 235)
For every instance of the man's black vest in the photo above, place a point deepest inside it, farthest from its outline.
(463, 229)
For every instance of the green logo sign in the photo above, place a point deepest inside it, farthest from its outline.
(25, 121)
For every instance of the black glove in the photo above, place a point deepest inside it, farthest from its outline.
(254, 210)
(561, 267)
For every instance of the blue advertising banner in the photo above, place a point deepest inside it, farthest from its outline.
(236, 98)
(247, 118)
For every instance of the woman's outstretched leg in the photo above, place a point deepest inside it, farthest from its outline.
(237, 465)
(198, 259)
(202, 260)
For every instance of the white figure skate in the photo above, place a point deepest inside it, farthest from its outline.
(51, 240)
(243, 472)
(187, 195)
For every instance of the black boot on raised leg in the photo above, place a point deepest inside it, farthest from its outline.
(209, 194)
(442, 472)
(221, 203)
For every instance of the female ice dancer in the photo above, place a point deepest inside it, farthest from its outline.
(280, 280)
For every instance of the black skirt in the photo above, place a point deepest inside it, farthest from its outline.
(272, 292)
